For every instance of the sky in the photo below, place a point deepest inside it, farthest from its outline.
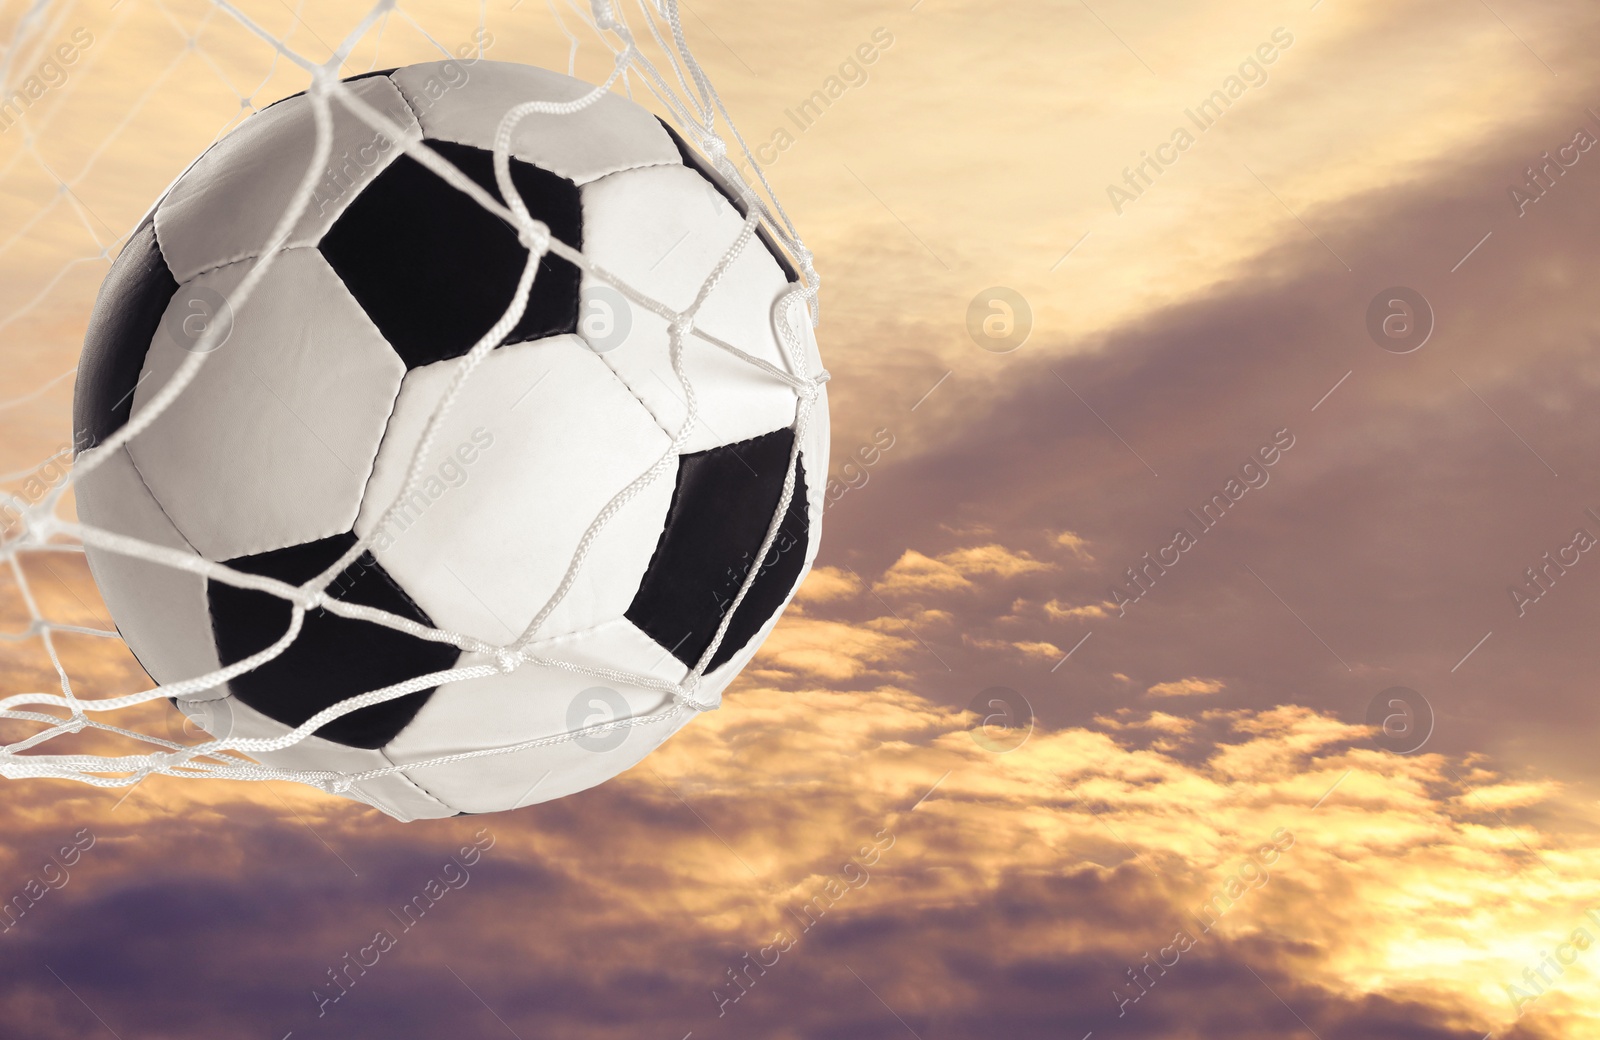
(980, 781)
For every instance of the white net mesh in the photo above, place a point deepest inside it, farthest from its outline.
(659, 63)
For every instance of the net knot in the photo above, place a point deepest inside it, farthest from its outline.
(40, 526)
(684, 695)
(715, 148)
(507, 660)
(535, 237)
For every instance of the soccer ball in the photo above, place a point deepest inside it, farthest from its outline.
(297, 434)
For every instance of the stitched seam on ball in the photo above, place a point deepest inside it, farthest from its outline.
(721, 198)
(631, 391)
(287, 248)
(693, 331)
(316, 238)
(338, 526)
(550, 641)
(159, 505)
(206, 600)
(414, 782)
(628, 169)
(377, 169)
(388, 420)
(227, 691)
(415, 115)
(677, 486)
(405, 596)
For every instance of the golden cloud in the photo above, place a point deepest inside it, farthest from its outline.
(827, 585)
(1077, 544)
(1059, 611)
(829, 649)
(1158, 721)
(1189, 687)
(915, 573)
(1038, 650)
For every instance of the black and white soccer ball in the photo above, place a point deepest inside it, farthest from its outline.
(295, 436)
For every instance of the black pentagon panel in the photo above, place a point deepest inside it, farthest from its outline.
(697, 162)
(333, 658)
(126, 315)
(719, 515)
(434, 270)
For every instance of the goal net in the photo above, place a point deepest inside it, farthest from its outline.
(646, 57)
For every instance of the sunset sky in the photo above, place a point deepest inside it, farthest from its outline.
(1207, 325)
